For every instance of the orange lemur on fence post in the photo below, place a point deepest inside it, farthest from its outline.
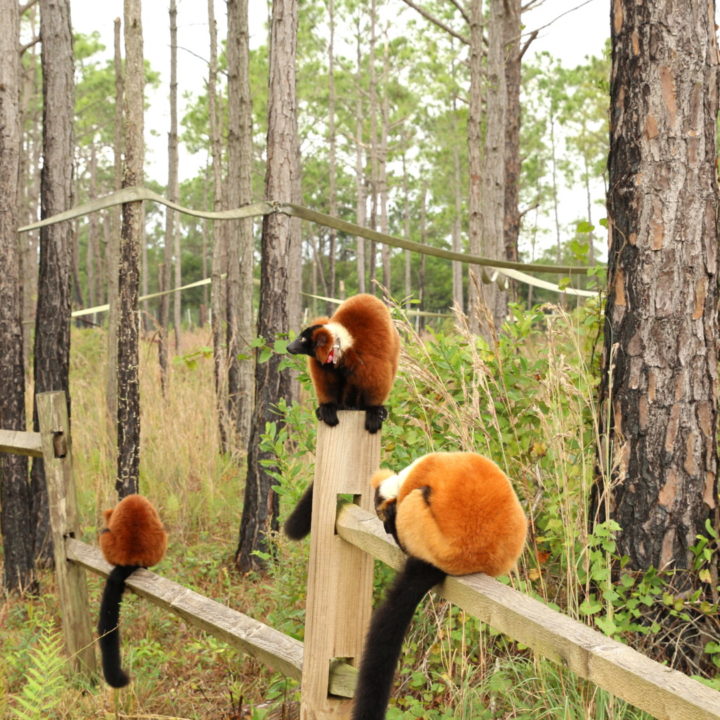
(452, 514)
(353, 360)
(134, 538)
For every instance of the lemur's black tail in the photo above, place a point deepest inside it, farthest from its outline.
(297, 526)
(108, 631)
(385, 636)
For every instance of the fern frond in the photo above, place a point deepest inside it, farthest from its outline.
(44, 680)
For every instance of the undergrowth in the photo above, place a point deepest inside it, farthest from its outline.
(526, 400)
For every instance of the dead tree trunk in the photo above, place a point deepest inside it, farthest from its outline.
(131, 237)
(272, 385)
(52, 320)
(659, 382)
(15, 500)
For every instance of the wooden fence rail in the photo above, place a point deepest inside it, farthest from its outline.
(339, 590)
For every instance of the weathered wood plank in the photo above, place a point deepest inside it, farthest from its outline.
(664, 693)
(21, 443)
(339, 596)
(275, 649)
(71, 582)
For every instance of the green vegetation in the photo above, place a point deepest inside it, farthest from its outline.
(527, 401)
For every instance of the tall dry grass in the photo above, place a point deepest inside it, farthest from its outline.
(195, 488)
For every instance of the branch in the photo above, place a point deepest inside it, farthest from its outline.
(24, 8)
(462, 10)
(437, 22)
(28, 45)
(527, 44)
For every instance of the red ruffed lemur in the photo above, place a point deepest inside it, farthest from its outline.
(134, 538)
(353, 360)
(452, 514)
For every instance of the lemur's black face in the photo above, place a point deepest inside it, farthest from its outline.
(304, 343)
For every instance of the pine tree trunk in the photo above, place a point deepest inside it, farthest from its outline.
(493, 161)
(52, 321)
(332, 151)
(240, 317)
(475, 160)
(113, 245)
(361, 202)
(513, 62)
(131, 238)
(220, 249)
(170, 216)
(659, 383)
(15, 499)
(260, 508)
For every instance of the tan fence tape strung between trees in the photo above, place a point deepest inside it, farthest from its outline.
(508, 268)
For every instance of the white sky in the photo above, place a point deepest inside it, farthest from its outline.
(571, 37)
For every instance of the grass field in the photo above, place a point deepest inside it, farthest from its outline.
(529, 403)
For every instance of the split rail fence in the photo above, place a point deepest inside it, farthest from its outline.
(339, 594)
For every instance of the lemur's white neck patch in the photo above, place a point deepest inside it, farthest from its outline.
(342, 341)
(390, 487)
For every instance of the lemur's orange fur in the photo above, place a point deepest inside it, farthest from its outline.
(353, 359)
(135, 534)
(453, 514)
(372, 359)
(459, 512)
(134, 538)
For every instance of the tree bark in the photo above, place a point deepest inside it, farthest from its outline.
(131, 237)
(170, 216)
(493, 160)
(15, 499)
(260, 509)
(52, 320)
(513, 61)
(475, 161)
(240, 317)
(658, 395)
(113, 246)
(220, 247)
(332, 152)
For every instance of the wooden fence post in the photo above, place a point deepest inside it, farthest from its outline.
(340, 576)
(71, 582)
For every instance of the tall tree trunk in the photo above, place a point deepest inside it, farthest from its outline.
(220, 249)
(373, 142)
(513, 63)
(93, 238)
(131, 237)
(30, 161)
(52, 322)
(493, 162)
(382, 168)
(240, 325)
(475, 161)
(272, 385)
(332, 152)
(172, 194)
(361, 205)
(15, 499)
(113, 246)
(659, 382)
(457, 268)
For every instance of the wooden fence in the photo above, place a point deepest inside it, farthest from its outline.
(343, 544)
